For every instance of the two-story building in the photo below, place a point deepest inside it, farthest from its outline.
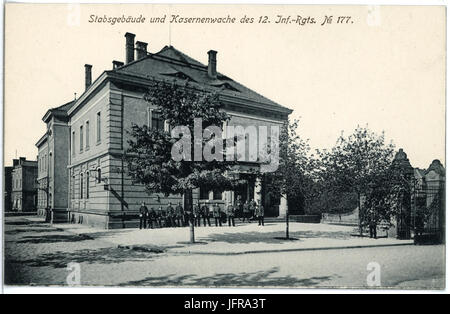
(24, 189)
(53, 150)
(99, 190)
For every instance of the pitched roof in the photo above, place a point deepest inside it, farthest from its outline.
(64, 107)
(170, 63)
(61, 110)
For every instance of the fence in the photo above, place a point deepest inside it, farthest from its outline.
(428, 215)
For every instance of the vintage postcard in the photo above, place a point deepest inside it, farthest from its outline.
(224, 146)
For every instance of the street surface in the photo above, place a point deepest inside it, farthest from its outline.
(38, 254)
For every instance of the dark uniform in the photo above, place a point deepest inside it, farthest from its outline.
(252, 208)
(239, 209)
(197, 215)
(179, 213)
(230, 214)
(216, 214)
(260, 214)
(162, 217)
(152, 221)
(246, 212)
(143, 213)
(205, 215)
(170, 215)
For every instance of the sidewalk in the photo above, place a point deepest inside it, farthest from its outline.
(242, 239)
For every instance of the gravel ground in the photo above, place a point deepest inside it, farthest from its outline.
(38, 254)
(241, 239)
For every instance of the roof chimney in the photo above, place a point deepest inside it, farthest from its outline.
(129, 47)
(141, 50)
(87, 75)
(212, 64)
(117, 64)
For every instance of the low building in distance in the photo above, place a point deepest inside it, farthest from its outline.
(24, 187)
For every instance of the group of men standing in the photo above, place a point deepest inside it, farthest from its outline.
(178, 217)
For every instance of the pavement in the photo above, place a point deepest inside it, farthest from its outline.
(245, 238)
(40, 254)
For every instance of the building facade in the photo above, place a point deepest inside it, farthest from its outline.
(24, 187)
(53, 150)
(7, 183)
(100, 193)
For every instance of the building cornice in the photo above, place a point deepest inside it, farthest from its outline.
(42, 140)
(144, 82)
(85, 96)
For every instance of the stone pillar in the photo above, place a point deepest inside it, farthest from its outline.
(227, 197)
(258, 189)
(283, 206)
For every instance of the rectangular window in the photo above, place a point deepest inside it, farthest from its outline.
(99, 128)
(73, 143)
(157, 122)
(204, 193)
(81, 138)
(217, 195)
(87, 135)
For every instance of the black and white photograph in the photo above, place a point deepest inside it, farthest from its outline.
(217, 146)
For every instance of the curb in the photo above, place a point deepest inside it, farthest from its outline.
(287, 250)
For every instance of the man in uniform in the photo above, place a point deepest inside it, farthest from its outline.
(197, 215)
(246, 211)
(162, 216)
(170, 215)
(230, 214)
(143, 213)
(252, 207)
(239, 208)
(260, 213)
(205, 214)
(216, 214)
(152, 222)
(179, 214)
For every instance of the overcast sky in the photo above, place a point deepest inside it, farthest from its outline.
(386, 69)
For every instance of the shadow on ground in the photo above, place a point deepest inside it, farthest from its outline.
(18, 223)
(109, 255)
(29, 230)
(255, 279)
(273, 237)
(52, 238)
(109, 233)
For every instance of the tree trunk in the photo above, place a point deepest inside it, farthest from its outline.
(287, 223)
(188, 206)
(191, 229)
(360, 215)
(287, 217)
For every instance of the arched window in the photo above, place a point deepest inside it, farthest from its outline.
(73, 187)
(99, 175)
(87, 184)
(81, 186)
